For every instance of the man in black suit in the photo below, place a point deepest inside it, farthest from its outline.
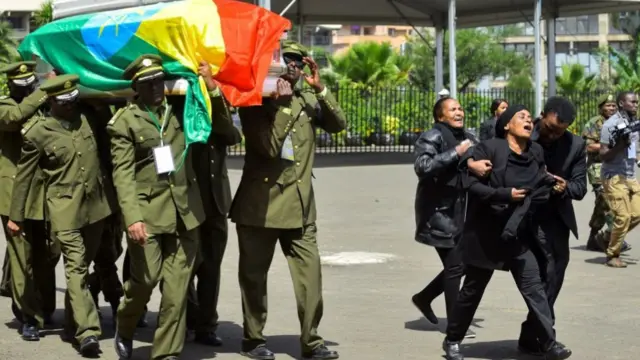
(565, 157)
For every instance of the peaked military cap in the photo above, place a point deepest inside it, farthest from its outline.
(146, 67)
(292, 47)
(606, 98)
(20, 73)
(62, 88)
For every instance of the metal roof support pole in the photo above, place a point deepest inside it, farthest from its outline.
(537, 14)
(453, 76)
(265, 4)
(439, 81)
(551, 55)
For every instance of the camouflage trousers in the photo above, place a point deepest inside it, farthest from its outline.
(601, 215)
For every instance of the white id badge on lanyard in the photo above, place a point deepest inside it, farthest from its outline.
(287, 149)
(163, 159)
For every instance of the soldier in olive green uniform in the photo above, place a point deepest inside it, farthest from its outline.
(161, 205)
(211, 169)
(32, 260)
(275, 201)
(598, 239)
(65, 147)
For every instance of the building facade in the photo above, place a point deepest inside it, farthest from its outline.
(19, 15)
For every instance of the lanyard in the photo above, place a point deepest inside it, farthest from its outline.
(157, 123)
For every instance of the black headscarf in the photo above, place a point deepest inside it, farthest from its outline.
(505, 117)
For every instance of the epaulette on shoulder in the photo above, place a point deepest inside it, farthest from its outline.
(29, 124)
(118, 113)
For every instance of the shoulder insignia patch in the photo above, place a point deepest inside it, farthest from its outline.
(29, 124)
(118, 113)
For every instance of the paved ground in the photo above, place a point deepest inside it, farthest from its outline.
(368, 314)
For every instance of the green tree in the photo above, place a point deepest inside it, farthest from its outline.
(8, 45)
(370, 64)
(626, 69)
(573, 79)
(45, 14)
(520, 90)
(479, 53)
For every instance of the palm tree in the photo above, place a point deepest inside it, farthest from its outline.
(371, 64)
(573, 79)
(627, 70)
(45, 14)
(8, 45)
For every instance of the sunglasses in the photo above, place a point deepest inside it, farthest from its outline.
(66, 102)
(296, 61)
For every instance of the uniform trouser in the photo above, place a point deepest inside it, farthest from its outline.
(448, 280)
(553, 237)
(5, 282)
(106, 272)
(600, 208)
(32, 260)
(79, 248)
(202, 305)
(257, 246)
(166, 257)
(526, 273)
(623, 198)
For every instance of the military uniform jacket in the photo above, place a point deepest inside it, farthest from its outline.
(12, 118)
(67, 153)
(156, 200)
(591, 135)
(211, 160)
(274, 192)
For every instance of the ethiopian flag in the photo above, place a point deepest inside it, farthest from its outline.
(236, 38)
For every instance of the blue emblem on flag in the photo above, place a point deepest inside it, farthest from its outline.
(106, 33)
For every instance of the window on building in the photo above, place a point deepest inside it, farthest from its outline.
(583, 53)
(16, 22)
(391, 31)
(528, 29)
(580, 25)
(368, 30)
(355, 29)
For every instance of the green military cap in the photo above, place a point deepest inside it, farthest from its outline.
(292, 47)
(606, 98)
(146, 67)
(20, 73)
(62, 88)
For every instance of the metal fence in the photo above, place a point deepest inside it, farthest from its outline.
(391, 119)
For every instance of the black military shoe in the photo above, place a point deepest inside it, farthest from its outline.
(208, 338)
(124, 347)
(90, 346)
(625, 247)
(30, 333)
(425, 309)
(260, 352)
(321, 352)
(452, 350)
(142, 323)
(557, 352)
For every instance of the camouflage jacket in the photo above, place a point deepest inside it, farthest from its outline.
(591, 135)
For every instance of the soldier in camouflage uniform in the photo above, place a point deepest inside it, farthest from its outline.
(598, 238)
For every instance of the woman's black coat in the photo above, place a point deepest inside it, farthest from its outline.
(439, 208)
(492, 233)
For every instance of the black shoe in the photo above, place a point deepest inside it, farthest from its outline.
(592, 242)
(30, 333)
(452, 350)
(90, 346)
(321, 352)
(208, 338)
(625, 247)
(142, 323)
(425, 309)
(557, 353)
(260, 352)
(124, 347)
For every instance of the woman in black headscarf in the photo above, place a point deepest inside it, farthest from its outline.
(498, 233)
(439, 203)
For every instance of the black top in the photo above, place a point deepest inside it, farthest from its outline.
(521, 171)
